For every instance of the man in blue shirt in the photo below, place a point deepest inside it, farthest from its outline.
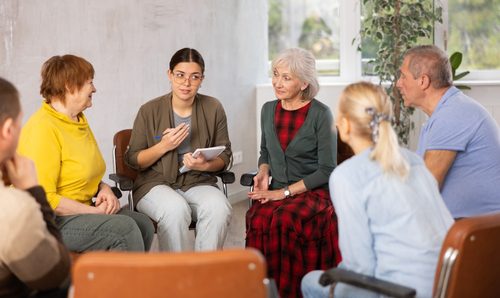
(460, 142)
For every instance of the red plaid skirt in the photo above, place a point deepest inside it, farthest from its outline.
(296, 235)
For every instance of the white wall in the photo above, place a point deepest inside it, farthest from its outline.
(130, 42)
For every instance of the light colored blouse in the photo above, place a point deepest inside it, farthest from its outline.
(389, 228)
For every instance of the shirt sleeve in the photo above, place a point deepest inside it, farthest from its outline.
(264, 154)
(222, 135)
(327, 152)
(41, 144)
(449, 131)
(138, 140)
(39, 259)
(355, 239)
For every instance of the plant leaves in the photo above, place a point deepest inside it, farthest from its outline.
(461, 75)
(456, 60)
(463, 87)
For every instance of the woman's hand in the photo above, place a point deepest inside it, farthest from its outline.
(173, 137)
(107, 197)
(264, 196)
(261, 180)
(198, 163)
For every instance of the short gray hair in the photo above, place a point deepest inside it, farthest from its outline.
(431, 61)
(303, 65)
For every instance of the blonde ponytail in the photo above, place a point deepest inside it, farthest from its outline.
(369, 109)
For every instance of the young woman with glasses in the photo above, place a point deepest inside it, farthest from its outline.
(167, 130)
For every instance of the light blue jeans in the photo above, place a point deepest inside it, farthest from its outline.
(310, 285)
(173, 210)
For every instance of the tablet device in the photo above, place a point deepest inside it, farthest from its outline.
(209, 154)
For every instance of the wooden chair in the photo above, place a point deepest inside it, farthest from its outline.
(468, 266)
(124, 176)
(228, 273)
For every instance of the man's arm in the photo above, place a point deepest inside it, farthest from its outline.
(47, 265)
(439, 162)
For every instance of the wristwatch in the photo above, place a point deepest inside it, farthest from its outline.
(287, 192)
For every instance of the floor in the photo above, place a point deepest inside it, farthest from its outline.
(236, 233)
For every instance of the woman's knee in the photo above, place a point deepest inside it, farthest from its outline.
(216, 211)
(124, 233)
(310, 285)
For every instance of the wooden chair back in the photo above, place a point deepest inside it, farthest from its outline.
(120, 143)
(228, 273)
(469, 262)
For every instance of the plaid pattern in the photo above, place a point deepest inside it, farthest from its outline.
(296, 235)
(287, 123)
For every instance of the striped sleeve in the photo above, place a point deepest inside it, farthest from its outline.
(34, 254)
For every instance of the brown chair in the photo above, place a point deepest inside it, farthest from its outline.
(228, 273)
(468, 266)
(124, 176)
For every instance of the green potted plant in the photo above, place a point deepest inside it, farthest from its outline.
(395, 26)
(455, 61)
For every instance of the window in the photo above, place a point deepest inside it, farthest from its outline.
(328, 27)
(310, 24)
(474, 30)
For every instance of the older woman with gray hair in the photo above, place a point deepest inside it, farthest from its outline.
(292, 221)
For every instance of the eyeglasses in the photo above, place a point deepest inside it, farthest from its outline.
(181, 78)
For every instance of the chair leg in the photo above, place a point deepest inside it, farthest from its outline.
(224, 189)
(130, 201)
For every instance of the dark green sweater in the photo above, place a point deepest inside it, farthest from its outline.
(310, 156)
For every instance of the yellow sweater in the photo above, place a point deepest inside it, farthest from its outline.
(67, 158)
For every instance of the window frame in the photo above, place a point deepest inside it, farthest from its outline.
(350, 72)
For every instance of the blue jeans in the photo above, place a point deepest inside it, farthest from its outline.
(126, 230)
(310, 285)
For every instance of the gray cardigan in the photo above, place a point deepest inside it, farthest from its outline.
(208, 129)
(310, 156)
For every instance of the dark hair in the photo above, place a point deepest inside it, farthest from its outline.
(431, 61)
(61, 72)
(187, 55)
(9, 101)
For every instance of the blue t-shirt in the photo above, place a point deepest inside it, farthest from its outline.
(472, 185)
(389, 228)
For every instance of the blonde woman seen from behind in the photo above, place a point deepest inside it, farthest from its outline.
(392, 219)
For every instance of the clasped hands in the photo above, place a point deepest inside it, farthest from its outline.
(261, 190)
(106, 201)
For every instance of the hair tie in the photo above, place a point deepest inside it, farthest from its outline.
(375, 122)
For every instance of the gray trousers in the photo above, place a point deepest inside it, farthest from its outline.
(126, 230)
(173, 210)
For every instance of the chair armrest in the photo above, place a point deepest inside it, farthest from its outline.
(227, 177)
(116, 191)
(247, 179)
(124, 183)
(365, 282)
